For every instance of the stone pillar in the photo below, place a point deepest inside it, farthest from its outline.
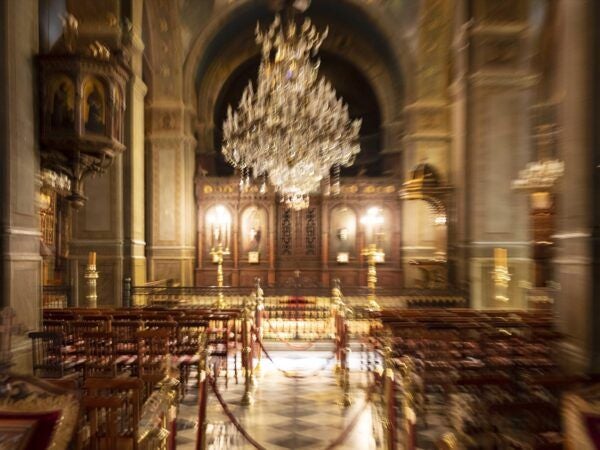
(171, 206)
(134, 158)
(170, 152)
(499, 91)
(20, 260)
(427, 127)
(457, 209)
(576, 307)
(98, 227)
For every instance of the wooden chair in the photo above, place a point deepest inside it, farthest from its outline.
(49, 357)
(112, 407)
(221, 339)
(103, 320)
(100, 355)
(153, 357)
(191, 340)
(126, 344)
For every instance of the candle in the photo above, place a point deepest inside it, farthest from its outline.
(91, 258)
(500, 257)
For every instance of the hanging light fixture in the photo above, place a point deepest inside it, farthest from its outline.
(292, 127)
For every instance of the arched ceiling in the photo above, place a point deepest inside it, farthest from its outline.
(357, 34)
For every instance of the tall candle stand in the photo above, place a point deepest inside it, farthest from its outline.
(501, 279)
(217, 255)
(91, 278)
(373, 254)
(500, 275)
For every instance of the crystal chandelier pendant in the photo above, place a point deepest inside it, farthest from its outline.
(291, 127)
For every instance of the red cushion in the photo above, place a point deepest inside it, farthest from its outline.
(31, 431)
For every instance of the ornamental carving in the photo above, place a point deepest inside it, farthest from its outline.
(82, 91)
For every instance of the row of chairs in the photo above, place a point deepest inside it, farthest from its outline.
(108, 343)
(117, 359)
(494, 372)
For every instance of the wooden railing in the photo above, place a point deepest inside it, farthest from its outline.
(56, 296)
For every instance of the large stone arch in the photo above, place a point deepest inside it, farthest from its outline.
(375, 16)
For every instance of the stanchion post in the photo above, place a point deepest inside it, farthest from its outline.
(389, 400)
(258, 314)
(202, 399)
(347, 399)
(247, 399)
(337, 311)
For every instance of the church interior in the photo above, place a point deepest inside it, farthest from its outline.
(300, 224)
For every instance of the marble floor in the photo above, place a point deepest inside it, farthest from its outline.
(299, 409)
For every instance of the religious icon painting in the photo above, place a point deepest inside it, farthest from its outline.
(94, 106)
(254, 225)
(62, 103)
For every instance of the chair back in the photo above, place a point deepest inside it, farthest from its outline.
(47, 354)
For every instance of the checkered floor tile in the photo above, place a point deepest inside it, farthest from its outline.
(301, 409)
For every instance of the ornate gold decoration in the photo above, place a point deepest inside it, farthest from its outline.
(82, 99)
(18, 395)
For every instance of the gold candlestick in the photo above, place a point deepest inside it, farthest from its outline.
(500, 274)
(373, 255)
(91, 278)
(217, 255)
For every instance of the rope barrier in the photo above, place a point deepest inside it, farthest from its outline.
(231, 417)
(350, 427)
(333, 444)
(287, 342)
(285, 372)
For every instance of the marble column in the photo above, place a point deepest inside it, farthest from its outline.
(576, 307)
(134, 158)
(171, 206)
(20, 260)
(498, 95)
(427, 137)
(170, 153)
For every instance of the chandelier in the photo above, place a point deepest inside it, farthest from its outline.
(292, 127)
